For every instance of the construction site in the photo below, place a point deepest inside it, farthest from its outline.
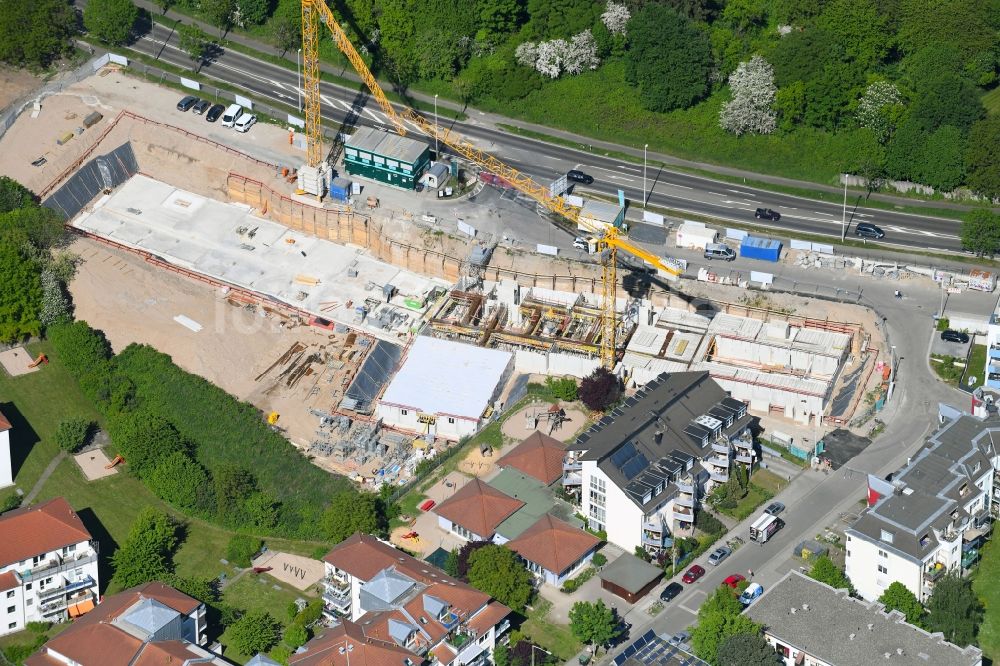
(217, 250)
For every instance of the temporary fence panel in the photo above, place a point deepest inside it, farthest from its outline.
(245, 102)
(188, 83)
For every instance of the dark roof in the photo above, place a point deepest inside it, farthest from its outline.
(932, 489)
(655, 436)
(832, 626)
(630, 573)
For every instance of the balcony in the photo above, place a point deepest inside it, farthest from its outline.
(449, 620)
(721, 447)
(719, 476)
(745, 458)
(994, 351)
(716, 461)
(683, 514)
(502, 627)
(572, 466)
(339, 604)
(684, 499)
(61, 604)
(335, 584)
(66, 587)
(56, 565)
(654, 539)
(935, 572)
(686, 486)
(572, 479)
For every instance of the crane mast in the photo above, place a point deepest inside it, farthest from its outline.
(315, 12)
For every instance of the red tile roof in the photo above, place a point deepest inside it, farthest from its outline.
(444, 654)
(488, 617)
(478, 507)
(165, 653)
(39, 529)
(539, 456)
(4, 423)
(8, 581)
(366, 650)
(553, 544)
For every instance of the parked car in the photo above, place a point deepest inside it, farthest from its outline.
(680, 638)
(214, 113)
(245, 122)
(949, 335)
(733, 581)
(767, 214)
(201, 106)
(581, 243)
(719, 554)
(751, 593)
(693, 574)
(671, 591)
(719, 251)
(187, 103)
(229, 116)
(867, 230)
(774, 508)
(578, 176)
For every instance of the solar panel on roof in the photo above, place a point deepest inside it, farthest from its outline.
(629, 651)
(623, 454)
(641, 642)
(635, 465)
(620, 659)
(697, 432)
(709, 422)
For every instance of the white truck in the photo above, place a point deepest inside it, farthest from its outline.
(764, 528)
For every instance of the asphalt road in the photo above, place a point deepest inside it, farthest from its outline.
(545, 162)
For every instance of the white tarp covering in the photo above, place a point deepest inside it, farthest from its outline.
(189, 83)
(548, 249)
(695, 235)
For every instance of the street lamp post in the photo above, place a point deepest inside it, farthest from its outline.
(298, 73)
(437, 154)
(644, 197)
(843, 215)
(535, 647)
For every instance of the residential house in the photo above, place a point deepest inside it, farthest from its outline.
(409, 604)
(538, 456)
(148, 625)
(348, 640)
(554, 550)
(810, 623)
(642, 469)
(48, 565)
(475, 511)
(931, 517)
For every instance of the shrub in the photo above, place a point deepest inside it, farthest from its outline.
(600, 389)
(599, 560)
(564, 388)
(570, 585)
(255, 632)
(241, 549)
(11, 501)
(708, 523)
(72, 434)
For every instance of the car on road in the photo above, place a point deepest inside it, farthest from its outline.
(734, 580)
(774, 508)
(680, 638)
(767, 214)
(949, 335)
(693, 574)
(578, 176)
(245, 122)
(201, 106)
(671, 591)
(719, 554)
(867, 230)
(187, 103)
(214, 113)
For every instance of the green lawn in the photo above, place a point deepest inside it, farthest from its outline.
(755, 496)
(258, 592)
(976, 367)
(769, 481)
(945, 368)
(556, 638)
(986, 584)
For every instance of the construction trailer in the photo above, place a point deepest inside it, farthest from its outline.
(386, 157)
(755, 247)
(695, 235)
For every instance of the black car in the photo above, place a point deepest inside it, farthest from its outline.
(767, 214)
(578, 176)
(187, 103)
(671, 591)
(949, 335)
(866, 230)
(201, 107)
(214, 113)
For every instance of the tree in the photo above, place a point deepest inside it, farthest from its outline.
(954, 610)
(233, 486)
(111, 21)
(144, 439)
(71, 434)
(350, 512)
(859, 29)
(943, 165)
(219, 13)
(56, 308)
(905, 151)
(982, 157)
(593, 623)
(181, 481)
(581, 53)
(981, 232)
(501, 656)
(21, 297)
(296, 636)
(753, 90)
(286, 26)
(262, 510)
(463, 555)
(551, 57)
(880, 109)
(825, 571)
(745, 16)
(194, 42)
(252, 12)
(668, 59)
(255, 632)
(600, 389)
(719, 618)
(898, 597)
(615, 18)
(14, 195)
(562, 388)
(34, 33)
(498, 18)
(202, 589)
(746, 650)
(147, 553)
(496, 571)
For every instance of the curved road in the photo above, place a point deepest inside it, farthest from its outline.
(681, 192)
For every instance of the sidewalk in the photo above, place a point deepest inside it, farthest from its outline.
(493, 120)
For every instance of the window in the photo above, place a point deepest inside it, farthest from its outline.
(392, 164)
(28, 586)
(10, 609)
(404, 412)
(79, 573)
(882, 569)
(461, 531)
(72, 548)
(887, 536)
(29, 602)
(10, 595)
(12, 625)
(882, 553)
(451, 420)
(351, 152)
(378, 160)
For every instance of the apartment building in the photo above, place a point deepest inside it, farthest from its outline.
(145, 625)
(812, 624)
(640, 472)
(407, 604)
(931, 516)
(48, 565)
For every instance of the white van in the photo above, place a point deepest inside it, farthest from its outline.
(751, 593)
(233, 111)
(719, 251)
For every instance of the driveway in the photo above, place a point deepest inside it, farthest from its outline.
(944, 348)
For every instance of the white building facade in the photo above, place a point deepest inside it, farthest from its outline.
(6, 470)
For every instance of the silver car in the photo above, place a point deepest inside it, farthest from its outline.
(719, 554)
(680, 638)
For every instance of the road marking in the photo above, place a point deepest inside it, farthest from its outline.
(682, 187)
(822, 213)
(378, 119)
(328, 101)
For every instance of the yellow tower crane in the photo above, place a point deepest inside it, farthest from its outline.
(315, 12)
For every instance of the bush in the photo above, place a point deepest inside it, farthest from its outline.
(241, 549)
(564, 388)
(72, 434)
(600, 389)
(943, 323)
(570, 585)
(11, 501)
(599, 560)
(255, 632)
(709, 524)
